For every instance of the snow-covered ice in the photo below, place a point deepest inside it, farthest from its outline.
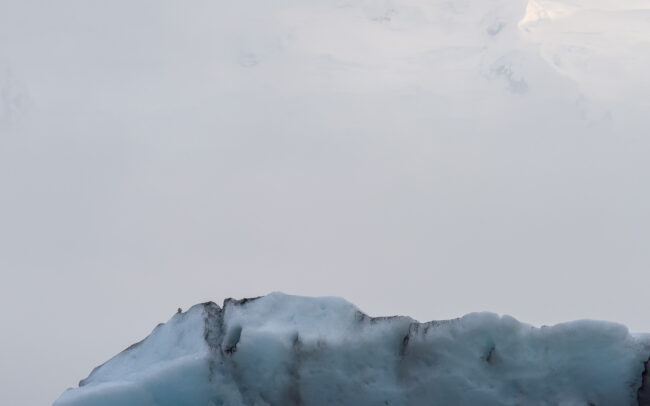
(290, 350)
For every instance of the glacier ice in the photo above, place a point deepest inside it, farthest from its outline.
(291, 350)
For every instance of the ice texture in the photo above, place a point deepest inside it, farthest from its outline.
(290, 350)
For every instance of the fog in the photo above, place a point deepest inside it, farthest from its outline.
(427, 158)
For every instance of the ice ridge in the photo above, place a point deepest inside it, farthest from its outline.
(289, 350)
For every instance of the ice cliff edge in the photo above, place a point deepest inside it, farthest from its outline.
(288, 350)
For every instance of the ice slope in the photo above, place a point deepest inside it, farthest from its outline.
(289, 350)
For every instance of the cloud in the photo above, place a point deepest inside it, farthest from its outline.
(421, 157)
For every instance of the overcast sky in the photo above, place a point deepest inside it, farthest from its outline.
(420, 157)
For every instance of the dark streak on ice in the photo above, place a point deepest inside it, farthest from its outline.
(489, 357)
(239, 302)
(643, 394)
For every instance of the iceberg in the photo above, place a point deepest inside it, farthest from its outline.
(291, 350)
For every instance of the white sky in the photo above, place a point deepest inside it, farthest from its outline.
(429, 158)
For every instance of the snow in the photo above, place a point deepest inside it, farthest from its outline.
(290, 350)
